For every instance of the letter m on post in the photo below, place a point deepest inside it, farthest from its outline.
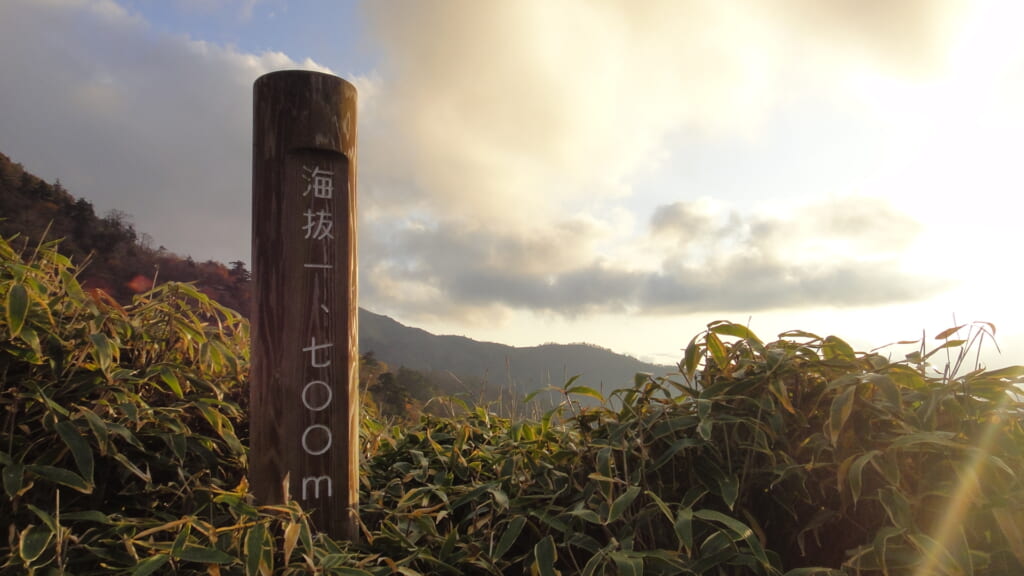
(315, 482)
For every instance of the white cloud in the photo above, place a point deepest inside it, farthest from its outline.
(508, 110)
(497, 146)
(496, 123)
(154, 126)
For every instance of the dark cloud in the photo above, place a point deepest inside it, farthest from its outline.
(708, 262)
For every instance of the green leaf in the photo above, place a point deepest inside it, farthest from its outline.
(204, 555)
(945, 345)
(595, 562)
(102, 350)
(727, 328)
(254, 549)
(181, 540)
(220, 423)
(71, 284)
(790, 334)
(545, 555)
(30, 337)
(622, 503)
(717, 350)
(61, 476)
(856, 470)
(627, 564)
(684, 528)
(660, 503)
(33, 541)
(897, 507)
(144, 475)
(778, 389)
(691, 357)
(13, 475)
(940, 558)
(842, 407)
(585, 391)
(348, 571)
(603, 478)
(81, 451)
(821, 518)
(87, 516)
(171, 379)
(98, 427)
(1010, 372)
(587, 515)
(44, 516)
(705, 427)
(948, 332)
(676, 446)
(837, 348)
(16, 308)
(604, 462)
(509, 536)
(640, 379)
(305, 534)
(150, 565)
(729, 487)
(741, 530)
(703, 408)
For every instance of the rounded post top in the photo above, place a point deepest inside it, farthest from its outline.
(303, 109)
(299, 76)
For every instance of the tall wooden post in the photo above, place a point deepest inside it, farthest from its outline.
(304, 408)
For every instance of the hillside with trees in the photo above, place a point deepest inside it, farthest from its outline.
(113, 256)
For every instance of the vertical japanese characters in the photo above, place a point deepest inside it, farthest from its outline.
(317, 393)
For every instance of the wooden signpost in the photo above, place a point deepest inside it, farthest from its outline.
(304, 408)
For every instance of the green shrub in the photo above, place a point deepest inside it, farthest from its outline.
(119, 449)
(798, 455)
(123, 450)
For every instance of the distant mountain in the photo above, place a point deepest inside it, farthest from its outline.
(123, 264)
(498, 365)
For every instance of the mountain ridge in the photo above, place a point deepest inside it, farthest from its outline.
(492, 364)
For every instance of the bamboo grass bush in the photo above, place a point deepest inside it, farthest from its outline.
(123, 450)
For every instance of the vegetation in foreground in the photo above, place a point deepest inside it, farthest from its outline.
(123, 451)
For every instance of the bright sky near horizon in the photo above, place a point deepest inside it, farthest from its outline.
(620, 173)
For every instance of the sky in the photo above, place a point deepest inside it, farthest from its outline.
(613, 172)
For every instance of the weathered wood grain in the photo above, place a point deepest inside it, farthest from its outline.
(304, 408)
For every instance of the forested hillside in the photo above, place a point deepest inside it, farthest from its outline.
(114, 256)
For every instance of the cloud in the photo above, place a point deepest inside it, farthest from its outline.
(491, 108)
(909, 37)
(498, 143)
(495, 124)
(710, 260)
(154, 126)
